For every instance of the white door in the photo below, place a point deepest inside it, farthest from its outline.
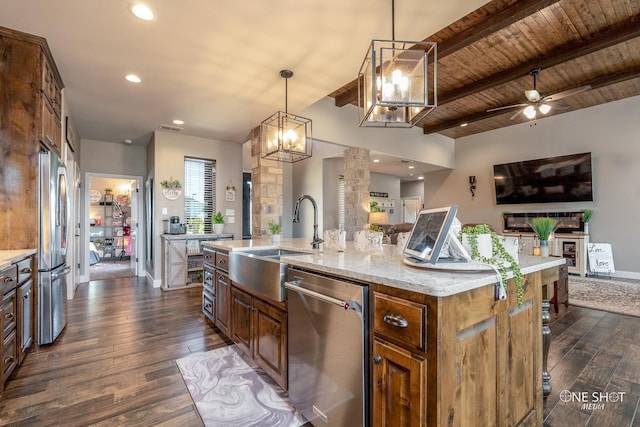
(410, 209)
(133, 218)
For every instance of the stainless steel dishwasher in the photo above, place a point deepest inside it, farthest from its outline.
(328, 349)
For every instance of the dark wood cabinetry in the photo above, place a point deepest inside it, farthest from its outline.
(16, 315)
(260, 330)
(459, 360)
(30, 89)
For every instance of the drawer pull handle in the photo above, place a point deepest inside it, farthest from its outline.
(25, 270)
(8, 360)
(207, 306)
(377, 360)
(8, 279)
(221, 261)
(9, 316)
(395, 319)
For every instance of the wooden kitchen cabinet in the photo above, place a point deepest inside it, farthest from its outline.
(223, 294)
(459, 360)
(8, 322)
(30, 107)
(260, 330)
(399, 386)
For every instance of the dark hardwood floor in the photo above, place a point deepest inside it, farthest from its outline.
(114, 364)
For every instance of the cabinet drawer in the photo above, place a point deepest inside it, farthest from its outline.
(208, 257)
(208, 302)
(8, 320)
(9, 355)
(400, 320)
(24, 270)
(208, 281)
(8, 279)
(222, 261)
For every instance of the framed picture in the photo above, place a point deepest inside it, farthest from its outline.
(70, 134)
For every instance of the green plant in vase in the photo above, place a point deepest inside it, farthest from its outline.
(544, 227)
(499, 258)
(586, 215)
(275, 229)
(218, 222)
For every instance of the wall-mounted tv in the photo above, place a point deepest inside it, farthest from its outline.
(552, 179)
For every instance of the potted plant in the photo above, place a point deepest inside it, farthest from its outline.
(587, 214)
(543, 227)
(218, 223)
(275, 229)
(499, 256)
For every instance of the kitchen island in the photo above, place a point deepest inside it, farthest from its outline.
(451, 355)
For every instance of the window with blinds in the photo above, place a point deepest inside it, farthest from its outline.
(199, 194)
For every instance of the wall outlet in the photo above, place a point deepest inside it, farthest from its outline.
(231, 219)
(230, 212)
(164, 211)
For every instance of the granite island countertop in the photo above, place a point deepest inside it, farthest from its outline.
(386, 267)
(8, 257)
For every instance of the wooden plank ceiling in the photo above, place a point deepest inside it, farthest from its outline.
(484, 60)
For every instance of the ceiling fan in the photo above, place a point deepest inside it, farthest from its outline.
(537, 101)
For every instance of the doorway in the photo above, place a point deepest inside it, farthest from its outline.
(112, 208)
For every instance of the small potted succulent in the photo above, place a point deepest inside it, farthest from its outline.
(276, 230)
(218, 223)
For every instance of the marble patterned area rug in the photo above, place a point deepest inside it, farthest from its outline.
(230, 390)
(615, 296)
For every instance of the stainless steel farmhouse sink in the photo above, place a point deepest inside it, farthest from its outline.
(261, 270)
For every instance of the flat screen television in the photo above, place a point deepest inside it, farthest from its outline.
(431, 237)
(552, 179)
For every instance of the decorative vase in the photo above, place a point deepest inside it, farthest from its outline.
(544, 247)
(485, 245)
(275, 238)
(586, 228)
(218, 228)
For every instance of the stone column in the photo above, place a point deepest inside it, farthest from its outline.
(356, 189)
(266, 189)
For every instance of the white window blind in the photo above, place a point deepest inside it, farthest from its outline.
(199, 194)
(341, 202)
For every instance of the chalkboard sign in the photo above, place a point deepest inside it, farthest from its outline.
(600, 258)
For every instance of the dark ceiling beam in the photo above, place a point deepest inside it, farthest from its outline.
(596, 83)
(510, 15)
(622, 32)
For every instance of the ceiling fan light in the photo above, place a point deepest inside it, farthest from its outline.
(532, 95)
(530, 112)
(544, 108)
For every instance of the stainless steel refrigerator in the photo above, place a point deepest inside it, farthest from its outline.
(52, 248)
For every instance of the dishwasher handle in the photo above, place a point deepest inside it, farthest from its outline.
(295, 286)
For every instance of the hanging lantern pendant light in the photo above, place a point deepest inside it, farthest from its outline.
(397, 82)
(286, 137)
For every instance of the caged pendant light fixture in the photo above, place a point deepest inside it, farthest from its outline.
(286, 137)
(397, 82)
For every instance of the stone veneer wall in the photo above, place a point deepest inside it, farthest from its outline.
(266, 189)
(356, 189)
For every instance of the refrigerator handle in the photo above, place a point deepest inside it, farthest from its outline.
(64, 272)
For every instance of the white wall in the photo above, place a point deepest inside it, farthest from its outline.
(170, 150)
(339, 125)
(610, 132)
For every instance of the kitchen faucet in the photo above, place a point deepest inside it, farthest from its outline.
(296, 218)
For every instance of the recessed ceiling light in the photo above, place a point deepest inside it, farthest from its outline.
(178, 122)
(141, 11)
(128, 141)
(421, 177)
(133, 78)
(411, 167)
(464, 124)
(376, 160)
